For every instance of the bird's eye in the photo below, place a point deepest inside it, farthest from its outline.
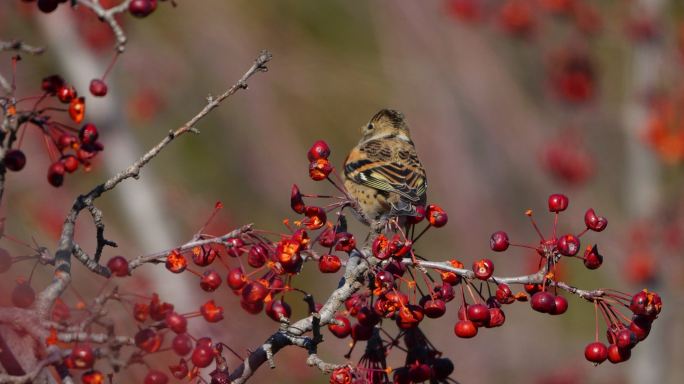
(370, 126)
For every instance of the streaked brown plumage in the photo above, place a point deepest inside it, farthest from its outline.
(383, 171)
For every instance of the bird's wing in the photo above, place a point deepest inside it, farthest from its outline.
(398, 170)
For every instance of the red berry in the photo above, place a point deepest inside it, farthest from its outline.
(345, 242)
(504, 295)
(176, 322)
(543, 302)
(142, 8)
(47, 6)
(235, 247)
(56, 174)
(340, 331)
(409, 316)
(478, 314)
(437, 217)
(434, 308)
(14, 160)
(418, 217)
(66, 93)
(646, 303)
(278, 309)
(296, 201)
(499, 241)
(560, 307)
(442, 368)
(181, 370)
(210, 280)
(592, 258)
(254, 292)
(496, 318)
(595, 222)
(23, 295)
(617, 354)
(98, 87)
(319, 150)
(82, 356)
(625, 339)
(420, 372)
(483, 269)
(329, 264)
(596, 352)
(568, 245)
(203, 257)
(320, 169)
(118, 265)
(532, 288)
(93, 377)
(367, 317)
(257, 256)
(315, 218)
(558, 202)
(211, 312)
(70, 163)
(641, 326)
(156, 377)
(380, 247)
(176, 262)
(148, 340)
(236, 279)
(182, 344)
(77, 109)
(88, 134)
(52, 83)
(465, 329)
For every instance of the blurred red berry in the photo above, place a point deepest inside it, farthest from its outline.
(55, 174)
(592, 257)
(14, 160)
(142, 8)
(82, 356)
(98, 87)
(155, 377)
(23, 295)
(118, 265)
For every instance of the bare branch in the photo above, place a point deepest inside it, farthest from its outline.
(108, 16)
(62, 275)
(54, 356)
(20, 46)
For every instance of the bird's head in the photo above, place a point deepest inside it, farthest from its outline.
(387, 123)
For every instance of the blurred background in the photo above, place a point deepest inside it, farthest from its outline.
(508, 101)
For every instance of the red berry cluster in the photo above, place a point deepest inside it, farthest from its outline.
(645, 305)
(524, 18)
(68, 147)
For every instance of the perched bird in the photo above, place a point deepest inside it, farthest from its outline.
(383, 172)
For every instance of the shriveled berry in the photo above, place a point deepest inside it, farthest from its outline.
(211, 312)
(296, 201)
(345, 242)
(52, 83)
(504, 295)
(315, 218)
(594, 222)
(497, 317)
(148, 340)
(320, 169)
(592, 258)
(176, 262)
(180, 370)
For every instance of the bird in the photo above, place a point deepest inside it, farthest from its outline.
(383, 172)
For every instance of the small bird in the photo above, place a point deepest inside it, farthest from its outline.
(383, 172)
